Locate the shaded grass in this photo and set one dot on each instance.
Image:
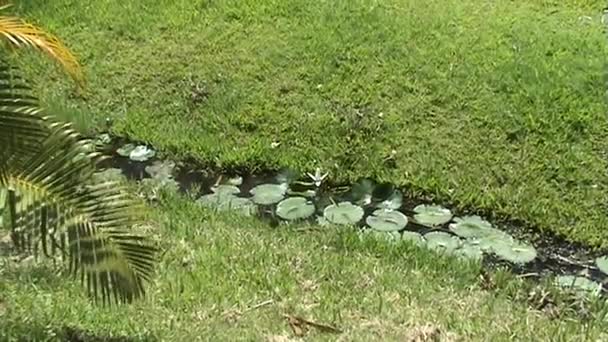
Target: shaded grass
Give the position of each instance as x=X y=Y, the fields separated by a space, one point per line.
x=493 y=105
x=216 y=267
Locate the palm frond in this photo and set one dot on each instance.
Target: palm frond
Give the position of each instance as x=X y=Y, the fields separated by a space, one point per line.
x=48 y=170
x=18 y=33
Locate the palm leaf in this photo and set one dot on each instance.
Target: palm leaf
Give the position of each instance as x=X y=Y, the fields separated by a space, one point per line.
x=18 y=33
x=52 y=194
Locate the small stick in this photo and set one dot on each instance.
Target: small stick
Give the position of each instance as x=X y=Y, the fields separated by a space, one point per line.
x=259 y=305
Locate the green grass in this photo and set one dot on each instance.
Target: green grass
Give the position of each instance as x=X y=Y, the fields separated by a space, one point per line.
x=497 y=106
x=217 y=267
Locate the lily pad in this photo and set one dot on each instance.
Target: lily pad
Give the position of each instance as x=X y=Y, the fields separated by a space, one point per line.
x=110 y=174
x=469 y=251
x=394 y=201
x=472 y=227
x=391 y=236
x=102 y=140
x=226 y=189
x=361 y=192
x=154 y=184
x=266 y=194
x=386 y=220
x=579 y=284
x=514 y=251
x=322 y=221
x=343 y=213
x=141 y=153
x=126 y=150
x=161 y=169
x=223 y=201
x=295 y=208
x=414 y=237
x=237 y=181
x=442 y=241
x=432 y=215
x=601 y=263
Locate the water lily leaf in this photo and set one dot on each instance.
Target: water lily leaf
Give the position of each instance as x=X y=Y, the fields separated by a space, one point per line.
x=159 y=183
x=236 y=181
x=161 y=169
x=266 y=194
x=286 y=176
x=295 y=208
x=103 y=139
x=414 y=237
x=126 y=150
x=343 y=213
x=223 y=201
x=475 y=227
x=322 y=221
x=226 y=189
x=110 y=174
x=394 y=201
x=362 y=191
x=579 y=284
x=391 y=236
x=442 y=241
x=432 y=215
x=469 y=251
x=514 y=251
x=240 y=205
x=141 y=153
x=386 y=220
x=214 y=199
x=601 y=262
x=311 y=193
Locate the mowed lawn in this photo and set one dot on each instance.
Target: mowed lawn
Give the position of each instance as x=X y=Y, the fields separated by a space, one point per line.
x=228 y=278
x=492 y=105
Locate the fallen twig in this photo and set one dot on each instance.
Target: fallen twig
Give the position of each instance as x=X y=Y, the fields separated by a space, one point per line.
x=298 y=325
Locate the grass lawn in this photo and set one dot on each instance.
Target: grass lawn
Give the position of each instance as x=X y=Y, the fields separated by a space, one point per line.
x=497 y=106
x=219 y=267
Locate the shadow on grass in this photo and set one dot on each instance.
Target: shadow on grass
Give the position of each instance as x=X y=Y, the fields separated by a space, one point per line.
x=29 y=332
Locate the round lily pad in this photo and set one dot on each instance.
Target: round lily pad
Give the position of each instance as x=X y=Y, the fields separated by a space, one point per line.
x=126 y=150
x=110 y=174
x=442 y=241
x=602 y=264
x=514 y=251
x=215 y=199
x=237 y=181
x=266 y=194
x=361 y=191
x=226 y=189
x=414 y=237
x=223 y=201
x=472 y=227
x=394 y=201
x=161 y=169
x=343 y=213
x=295 y=208
x=432 y=215
x=579 y=284
x=386 y=220
x=391 y=236
x=469 y=251
x=141 y=153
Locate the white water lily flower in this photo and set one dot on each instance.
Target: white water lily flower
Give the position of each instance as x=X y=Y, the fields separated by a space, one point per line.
x=317 y=178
